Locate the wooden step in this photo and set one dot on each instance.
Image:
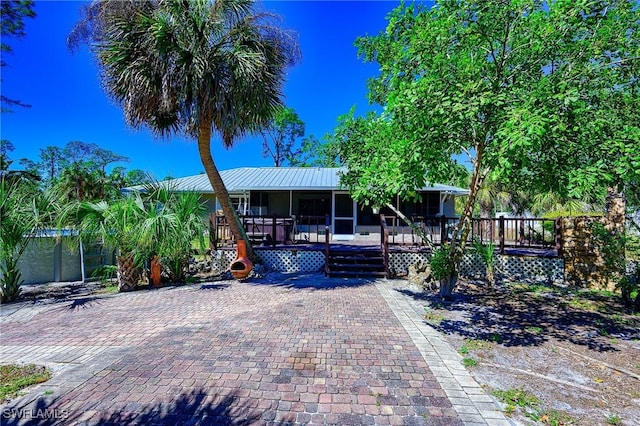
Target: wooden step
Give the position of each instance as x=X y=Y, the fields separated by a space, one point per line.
x=356 y=264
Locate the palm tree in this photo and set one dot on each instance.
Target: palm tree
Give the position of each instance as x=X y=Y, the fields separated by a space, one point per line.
x=191 y=67
x=141 y=225
x=117 y=226
x=173 y=222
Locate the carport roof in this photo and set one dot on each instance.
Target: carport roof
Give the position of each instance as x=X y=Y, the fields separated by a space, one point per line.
x=279 y=179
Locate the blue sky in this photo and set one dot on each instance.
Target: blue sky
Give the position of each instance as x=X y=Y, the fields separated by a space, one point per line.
x=69 y=104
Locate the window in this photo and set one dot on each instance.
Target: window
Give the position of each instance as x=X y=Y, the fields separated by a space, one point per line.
x=259 y=203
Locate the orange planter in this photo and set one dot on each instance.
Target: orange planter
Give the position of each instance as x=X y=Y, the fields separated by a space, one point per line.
x=241 y=267
x=156 y=272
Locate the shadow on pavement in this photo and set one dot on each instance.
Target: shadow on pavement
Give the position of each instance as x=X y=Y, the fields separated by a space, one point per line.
x=317 y=281
x=193 y=408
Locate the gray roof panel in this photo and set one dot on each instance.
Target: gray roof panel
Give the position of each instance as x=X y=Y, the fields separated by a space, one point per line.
x=279 y=178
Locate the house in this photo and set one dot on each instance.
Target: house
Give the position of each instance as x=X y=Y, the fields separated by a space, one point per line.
x=312 y=195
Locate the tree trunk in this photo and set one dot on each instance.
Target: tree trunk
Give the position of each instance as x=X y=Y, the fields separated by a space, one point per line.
x=221 y=193
x=447 y=284
x=128 y=274
x=486 y=208
x=463 y=227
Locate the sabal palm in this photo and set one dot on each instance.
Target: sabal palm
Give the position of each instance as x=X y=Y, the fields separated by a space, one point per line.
x=173 y=221
x=117 y=226
x=159 y=223
x=191 y=67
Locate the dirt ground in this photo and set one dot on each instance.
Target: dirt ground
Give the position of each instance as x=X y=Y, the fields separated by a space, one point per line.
x=576 y=354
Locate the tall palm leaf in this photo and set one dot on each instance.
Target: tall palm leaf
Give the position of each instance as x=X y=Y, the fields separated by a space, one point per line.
x=173 y=222
x=191 y=67
x=24 y=211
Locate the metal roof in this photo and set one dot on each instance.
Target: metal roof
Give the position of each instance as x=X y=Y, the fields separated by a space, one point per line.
x=278 y=179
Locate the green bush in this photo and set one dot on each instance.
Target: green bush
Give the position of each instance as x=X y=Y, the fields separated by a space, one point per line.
x=612 y=246
x=486 y=251
x=440 y=263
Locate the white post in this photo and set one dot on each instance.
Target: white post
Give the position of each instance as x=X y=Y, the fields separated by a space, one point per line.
x=290 y=202
x=82 y=262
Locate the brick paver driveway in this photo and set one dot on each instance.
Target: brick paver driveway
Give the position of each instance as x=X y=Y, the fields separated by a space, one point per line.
x=304 y=350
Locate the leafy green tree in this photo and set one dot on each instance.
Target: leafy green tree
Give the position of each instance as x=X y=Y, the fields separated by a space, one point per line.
x=13 y=14
x=5 y=147
x=136 y=177
x=82 y=171
x=51 y=162
x=30 y=166
x=316 y=153
x=280 y=135
x=542 y=95
x=191 y=68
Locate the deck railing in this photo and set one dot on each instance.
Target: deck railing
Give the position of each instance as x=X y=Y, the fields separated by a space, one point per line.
x=384 y=243
x=269 y=229
x=525 y=233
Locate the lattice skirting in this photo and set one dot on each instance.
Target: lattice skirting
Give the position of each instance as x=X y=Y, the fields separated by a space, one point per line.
x=221 y=259
x=514 y=267
x=275 y=260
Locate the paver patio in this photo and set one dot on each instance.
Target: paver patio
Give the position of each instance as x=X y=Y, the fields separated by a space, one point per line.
x=291 y=350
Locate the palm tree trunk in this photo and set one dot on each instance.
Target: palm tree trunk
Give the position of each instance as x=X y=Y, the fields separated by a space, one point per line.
x=128 y=274
x=204 y=148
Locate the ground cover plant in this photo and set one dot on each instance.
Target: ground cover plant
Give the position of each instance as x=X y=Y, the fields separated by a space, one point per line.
x=14 y=378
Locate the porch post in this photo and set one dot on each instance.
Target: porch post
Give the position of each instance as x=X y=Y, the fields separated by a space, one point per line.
x=290 y=202
x=501 y=233
x=443 y=230
x=274 y=234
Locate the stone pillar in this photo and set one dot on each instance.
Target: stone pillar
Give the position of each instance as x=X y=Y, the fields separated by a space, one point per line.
x=584 y=264
x=615 y=206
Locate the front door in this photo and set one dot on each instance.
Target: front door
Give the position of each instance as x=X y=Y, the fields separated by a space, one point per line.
x=343 y=217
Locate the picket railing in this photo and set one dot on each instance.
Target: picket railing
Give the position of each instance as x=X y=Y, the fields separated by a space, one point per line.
x=504 y=233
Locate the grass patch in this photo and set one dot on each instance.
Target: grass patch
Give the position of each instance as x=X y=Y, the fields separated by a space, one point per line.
x=14 y=378
x=433 y=318
x=529 y=404
x=533 y=330
x=472 y=345
x=556 y=418
x=536 y=289
x=469 y=362
x=614 y=420
x=110 y=288
x=519 y=398
x=584 y=304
